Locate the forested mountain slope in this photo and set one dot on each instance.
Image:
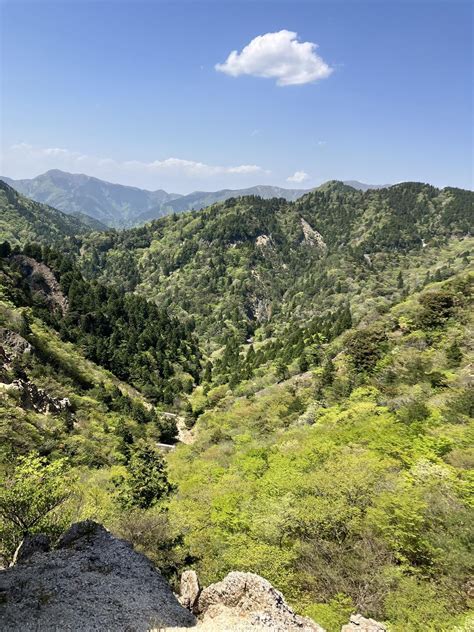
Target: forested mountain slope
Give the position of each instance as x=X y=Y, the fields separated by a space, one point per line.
x=23 y=220
x=112 y=204
x=347 y=486
x=136 y=340
x=268 y=268
x=53 y=397
x=120 y=206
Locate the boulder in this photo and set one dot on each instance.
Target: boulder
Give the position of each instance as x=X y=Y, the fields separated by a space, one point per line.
x=189 y=590
x=246 y=601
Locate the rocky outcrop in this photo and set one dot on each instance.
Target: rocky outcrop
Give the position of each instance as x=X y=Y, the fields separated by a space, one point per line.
x=260 y=308
x=358 y=623
x=37 y=399
x=30 y=396
x=41 y=279
x=245 y=602
x=91 y=582
x=249 y=601
x=312 y=237
x=12 y=344
x=263 y=240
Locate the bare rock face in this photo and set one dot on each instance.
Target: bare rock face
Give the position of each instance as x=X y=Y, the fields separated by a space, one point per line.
x=41 y=279
x=92 y=582
x=246 y=601
x=13 y=345
x=358 y=623
x=312 y=237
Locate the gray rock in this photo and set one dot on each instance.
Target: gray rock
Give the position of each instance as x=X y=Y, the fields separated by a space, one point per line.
x=190 y=590
x=41 y=280
x=13 y=344
x=29 y=546
x=34 y=398
x=93 y=582
x=358 y=623
x=252 y=601
x=312 y=237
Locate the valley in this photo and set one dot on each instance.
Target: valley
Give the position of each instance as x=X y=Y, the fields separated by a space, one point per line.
x=316 y=354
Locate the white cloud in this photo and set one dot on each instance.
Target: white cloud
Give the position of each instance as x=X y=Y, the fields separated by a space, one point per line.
x=298 y=176
x=67 y=159
x=277 y=56
x=190 y=167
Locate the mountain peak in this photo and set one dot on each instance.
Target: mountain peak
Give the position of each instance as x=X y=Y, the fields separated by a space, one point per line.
x=335 y=185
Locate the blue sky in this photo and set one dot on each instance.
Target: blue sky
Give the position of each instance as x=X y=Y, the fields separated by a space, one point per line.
x=129 y=92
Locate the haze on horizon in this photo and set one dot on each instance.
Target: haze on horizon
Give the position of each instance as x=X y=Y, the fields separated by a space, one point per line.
x=176 y=96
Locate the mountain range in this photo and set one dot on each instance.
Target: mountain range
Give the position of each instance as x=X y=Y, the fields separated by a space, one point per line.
x=118 y=206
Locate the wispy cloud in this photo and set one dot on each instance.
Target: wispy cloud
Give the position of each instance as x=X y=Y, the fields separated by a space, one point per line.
x=278 y=56
x=68 y=159
x=298 y=176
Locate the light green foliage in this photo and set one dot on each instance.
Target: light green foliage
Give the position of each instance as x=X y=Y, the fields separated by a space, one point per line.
x=32 y=497
x=369 y=499
x=332 y=615
x=418 y=606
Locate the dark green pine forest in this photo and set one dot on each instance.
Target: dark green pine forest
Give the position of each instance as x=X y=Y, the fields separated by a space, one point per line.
x=263 y=385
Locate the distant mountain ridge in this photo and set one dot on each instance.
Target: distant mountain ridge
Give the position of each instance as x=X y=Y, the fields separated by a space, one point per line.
x=200 y=199
x=119 y=206
x=115 y=205
x=23 y=219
